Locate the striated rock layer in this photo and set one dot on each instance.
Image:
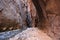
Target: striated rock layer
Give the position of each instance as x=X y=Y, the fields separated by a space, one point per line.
x=14 y=14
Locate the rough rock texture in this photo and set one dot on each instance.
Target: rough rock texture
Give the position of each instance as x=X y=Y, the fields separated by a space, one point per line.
x=14 y=14
x=9 y=15
x=32 y=11
x=53 y=16
x=49 y=16
x=19 y=13
x=31 y=34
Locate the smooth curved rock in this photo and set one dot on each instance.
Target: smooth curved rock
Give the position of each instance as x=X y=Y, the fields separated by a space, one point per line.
x=8 y=34
x=31 y=34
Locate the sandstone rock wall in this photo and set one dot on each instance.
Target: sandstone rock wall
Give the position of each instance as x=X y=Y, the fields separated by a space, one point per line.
x=51 y=17
x=43 y=14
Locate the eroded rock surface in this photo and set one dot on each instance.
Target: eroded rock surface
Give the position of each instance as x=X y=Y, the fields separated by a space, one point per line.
x=14 y=14
x=31 y=34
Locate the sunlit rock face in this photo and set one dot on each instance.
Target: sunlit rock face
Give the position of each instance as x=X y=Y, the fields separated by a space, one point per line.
x=32 y=10
x=31 y=34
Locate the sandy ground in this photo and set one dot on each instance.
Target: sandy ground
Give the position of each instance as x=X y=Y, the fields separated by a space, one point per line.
x=31 y=34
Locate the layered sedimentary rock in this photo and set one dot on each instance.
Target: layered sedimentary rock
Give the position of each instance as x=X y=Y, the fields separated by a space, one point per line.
x=14 y=14
x=9 y=15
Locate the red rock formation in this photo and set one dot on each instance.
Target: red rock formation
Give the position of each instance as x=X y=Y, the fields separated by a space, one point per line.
x=51 y=16
x=43 y=13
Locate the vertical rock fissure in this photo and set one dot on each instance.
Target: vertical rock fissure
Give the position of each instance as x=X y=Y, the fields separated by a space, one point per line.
x=39 y=13
x=25 y=15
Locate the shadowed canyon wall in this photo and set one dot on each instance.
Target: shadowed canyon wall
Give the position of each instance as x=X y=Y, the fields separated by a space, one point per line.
x=50 y=15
